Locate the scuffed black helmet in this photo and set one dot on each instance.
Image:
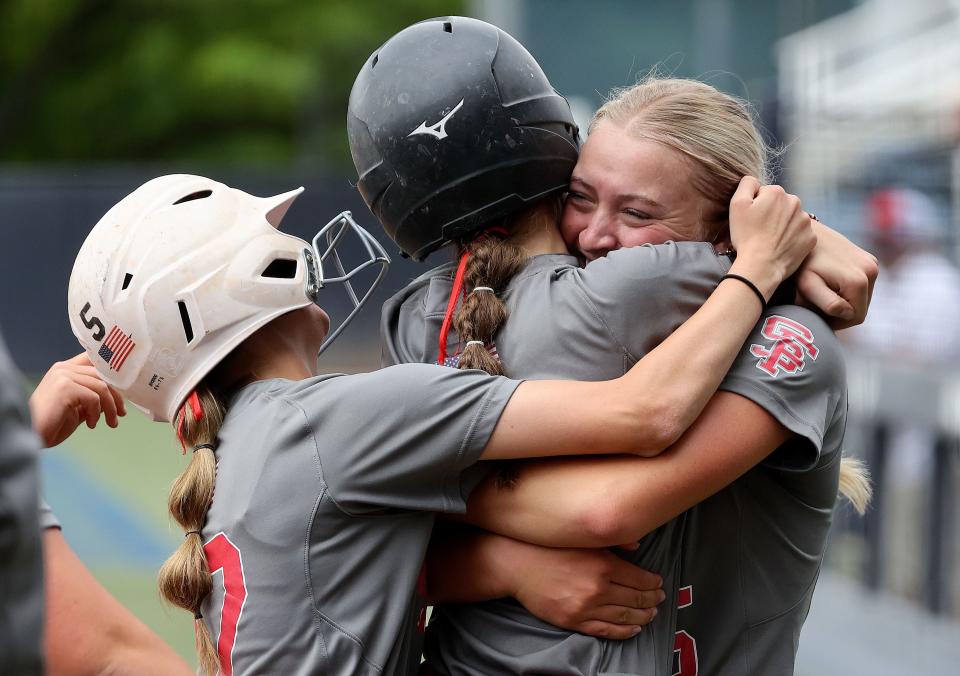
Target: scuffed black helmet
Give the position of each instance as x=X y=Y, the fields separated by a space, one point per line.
x=452 y=126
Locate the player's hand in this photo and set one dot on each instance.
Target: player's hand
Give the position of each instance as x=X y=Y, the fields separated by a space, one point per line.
x=590 y=591
x=770 y=231
x=70 y=393
x=837 y=278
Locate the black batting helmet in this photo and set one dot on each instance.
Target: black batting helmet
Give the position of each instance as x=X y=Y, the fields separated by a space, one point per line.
x=453 y=125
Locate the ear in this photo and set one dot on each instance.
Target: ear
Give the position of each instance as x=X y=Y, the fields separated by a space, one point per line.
x=275 y=208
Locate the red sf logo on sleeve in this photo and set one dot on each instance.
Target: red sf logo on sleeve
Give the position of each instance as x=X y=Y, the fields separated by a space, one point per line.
x=793 y=343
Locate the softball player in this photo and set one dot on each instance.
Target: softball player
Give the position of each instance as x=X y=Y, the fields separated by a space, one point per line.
x=308 y=500
x=565 y=322
x=22 y=567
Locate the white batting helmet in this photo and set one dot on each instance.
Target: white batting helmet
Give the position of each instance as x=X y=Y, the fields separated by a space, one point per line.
x=181 y=271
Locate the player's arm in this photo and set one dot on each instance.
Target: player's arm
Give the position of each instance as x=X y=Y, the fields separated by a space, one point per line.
x=70 y=393
x=591 y=591
x=87 y=631
x=837 y=278
x=647 y=409
x=596 y=502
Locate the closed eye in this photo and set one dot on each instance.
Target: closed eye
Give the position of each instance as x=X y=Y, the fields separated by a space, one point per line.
x=577 y=197
x=641 y=215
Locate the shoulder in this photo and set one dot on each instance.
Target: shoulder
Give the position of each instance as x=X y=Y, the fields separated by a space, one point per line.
x=790 y=341
x=659 y=260
x=407 y=318
x=415 y=291
x=396 y=386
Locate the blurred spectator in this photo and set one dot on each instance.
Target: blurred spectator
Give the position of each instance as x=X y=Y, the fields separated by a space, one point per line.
x=911 y=316
x=913 y=319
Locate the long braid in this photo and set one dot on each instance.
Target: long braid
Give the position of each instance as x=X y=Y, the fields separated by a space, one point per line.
x=493 y=262
x=185 y=578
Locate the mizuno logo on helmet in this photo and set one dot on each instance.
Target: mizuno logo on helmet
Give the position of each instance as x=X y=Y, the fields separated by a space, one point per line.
x=438 y=129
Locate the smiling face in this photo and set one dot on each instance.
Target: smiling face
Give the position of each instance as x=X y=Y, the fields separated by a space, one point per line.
x=628 y=191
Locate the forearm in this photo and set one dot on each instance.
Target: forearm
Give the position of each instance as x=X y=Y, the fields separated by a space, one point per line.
x=642 y=412
x=584 y=502
x=87 y=631
x=680 y=375
x=466 y=565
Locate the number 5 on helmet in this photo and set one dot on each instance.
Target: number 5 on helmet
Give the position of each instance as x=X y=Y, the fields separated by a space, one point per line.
x=142 y=260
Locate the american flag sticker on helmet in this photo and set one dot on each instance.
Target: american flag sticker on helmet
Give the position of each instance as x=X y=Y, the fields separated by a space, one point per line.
x=116 y=348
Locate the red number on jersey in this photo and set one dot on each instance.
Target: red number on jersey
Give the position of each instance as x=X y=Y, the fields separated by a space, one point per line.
x=685 y=645
x=224 y=555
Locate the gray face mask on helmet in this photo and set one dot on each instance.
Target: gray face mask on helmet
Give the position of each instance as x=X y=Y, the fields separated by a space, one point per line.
x=330 y=237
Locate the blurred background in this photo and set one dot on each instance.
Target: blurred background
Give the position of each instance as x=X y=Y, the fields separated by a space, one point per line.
x=97 y=96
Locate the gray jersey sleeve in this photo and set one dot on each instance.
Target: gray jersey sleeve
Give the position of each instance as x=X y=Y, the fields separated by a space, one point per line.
x=422 y=427
x=21 y=565
x=792 y=366
x=643 y=294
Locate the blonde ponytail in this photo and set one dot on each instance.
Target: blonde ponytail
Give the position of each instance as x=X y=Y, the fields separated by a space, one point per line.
x=855 y=483
x=184 y=578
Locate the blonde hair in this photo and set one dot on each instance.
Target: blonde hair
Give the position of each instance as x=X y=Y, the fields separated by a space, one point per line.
x=715 y=132
x=184 y=579
x=855 y=483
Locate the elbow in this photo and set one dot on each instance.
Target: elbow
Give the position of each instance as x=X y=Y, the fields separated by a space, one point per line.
x=608 y=522
x=655 y=432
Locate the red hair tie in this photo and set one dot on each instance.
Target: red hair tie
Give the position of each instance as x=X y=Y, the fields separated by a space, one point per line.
x=194 y=402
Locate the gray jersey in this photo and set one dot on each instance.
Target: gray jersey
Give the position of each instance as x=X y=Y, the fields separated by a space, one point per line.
x=595 y=323
x=752 y=552
x=322 y=513
x=565 y=322
x=21 y=565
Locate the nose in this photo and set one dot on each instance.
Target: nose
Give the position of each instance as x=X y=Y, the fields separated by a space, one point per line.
x=598 y=238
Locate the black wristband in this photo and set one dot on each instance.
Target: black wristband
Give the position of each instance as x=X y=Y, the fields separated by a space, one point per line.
x=753 y=287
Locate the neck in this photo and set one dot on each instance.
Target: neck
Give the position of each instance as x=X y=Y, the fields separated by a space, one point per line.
x=540 y=240
x=268 y=354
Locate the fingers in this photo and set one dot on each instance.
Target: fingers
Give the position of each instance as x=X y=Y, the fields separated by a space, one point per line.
x=616 y=622
x=817 y=293
x=630 y=576
x=118 y=401
x=746 y=191
x=86 y=402
x=107 y=402
x=80 y=359
x=608 y=630
x=626 y=597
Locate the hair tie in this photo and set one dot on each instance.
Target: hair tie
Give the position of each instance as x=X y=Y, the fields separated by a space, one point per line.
x=199 y=446
x=190 y=532
x=753 y=287
x=198 y=615
x=193 y=401
x=474 y=342
x=482 y=288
